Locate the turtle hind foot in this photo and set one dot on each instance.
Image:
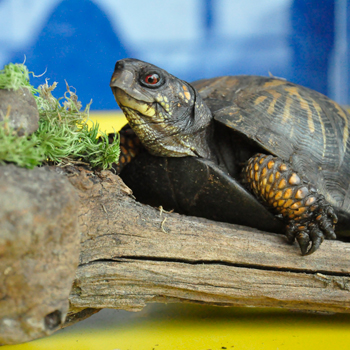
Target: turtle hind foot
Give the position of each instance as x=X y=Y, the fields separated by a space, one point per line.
x=309 y=217
x=311 y=234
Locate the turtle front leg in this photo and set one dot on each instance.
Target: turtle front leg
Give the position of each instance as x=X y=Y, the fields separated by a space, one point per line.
x=308 y=216
x=130 y=147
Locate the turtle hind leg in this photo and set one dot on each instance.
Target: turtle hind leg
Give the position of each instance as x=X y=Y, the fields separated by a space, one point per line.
x=309 y=218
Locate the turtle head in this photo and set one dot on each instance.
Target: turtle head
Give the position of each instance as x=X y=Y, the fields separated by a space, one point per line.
x=167 y=114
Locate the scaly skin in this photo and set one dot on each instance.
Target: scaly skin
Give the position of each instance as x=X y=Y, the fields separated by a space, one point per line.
x=308 y=216
x=130 y=147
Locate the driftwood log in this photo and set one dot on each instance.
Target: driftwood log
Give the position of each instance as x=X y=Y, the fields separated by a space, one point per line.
x=132 y=254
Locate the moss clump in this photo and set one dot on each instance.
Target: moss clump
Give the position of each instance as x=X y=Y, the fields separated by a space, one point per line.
x=23 y=150
x=15 y=76
x=63 y=134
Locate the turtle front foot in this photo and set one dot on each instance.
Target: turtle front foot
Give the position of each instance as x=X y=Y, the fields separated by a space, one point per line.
x=309 y=217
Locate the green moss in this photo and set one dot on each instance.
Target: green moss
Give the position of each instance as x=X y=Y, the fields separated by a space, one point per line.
x=63 y=134
x=15 y=76
x=21 y=150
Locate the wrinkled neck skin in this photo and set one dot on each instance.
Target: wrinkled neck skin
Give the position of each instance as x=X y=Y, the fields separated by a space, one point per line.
x=168 y=133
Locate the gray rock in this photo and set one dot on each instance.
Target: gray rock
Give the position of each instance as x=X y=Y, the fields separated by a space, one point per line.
x=39 y=251
x=24 y=115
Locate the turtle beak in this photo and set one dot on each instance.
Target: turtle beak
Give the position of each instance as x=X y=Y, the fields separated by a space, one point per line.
x=122 y=78
x=125 y=78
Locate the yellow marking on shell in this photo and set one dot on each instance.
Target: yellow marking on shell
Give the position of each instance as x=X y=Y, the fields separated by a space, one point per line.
x=259 y=100
x=261 y=160
x=256 y=176
x=256 y=166
x=165 y=99
x=271 y=178
x=264 y=171
x=286 y=111
x=181 y=95
x=184 y=87
x=294 y=179
x=275 y=204
x=288 y=203
x=346 y=126
x=318 y=111
x=301 y=193
x=276 y=95
x=167 y=106
x=187 y=95
x=277 y=175
x=288 y=193
x=274 y=82
x=304 y=105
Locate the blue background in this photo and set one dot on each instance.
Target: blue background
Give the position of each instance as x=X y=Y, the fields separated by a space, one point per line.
x=304 y=41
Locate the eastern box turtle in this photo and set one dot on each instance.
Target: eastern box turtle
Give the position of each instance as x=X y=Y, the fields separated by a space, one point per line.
x=209 y=141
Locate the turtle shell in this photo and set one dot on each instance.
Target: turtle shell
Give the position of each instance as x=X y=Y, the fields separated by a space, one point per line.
x=297 y=124
x=294 y=123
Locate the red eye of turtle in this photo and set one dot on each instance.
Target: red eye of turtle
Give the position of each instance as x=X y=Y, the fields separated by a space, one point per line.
x=152 y=79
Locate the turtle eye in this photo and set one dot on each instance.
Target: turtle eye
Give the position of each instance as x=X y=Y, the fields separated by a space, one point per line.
x=151 y=80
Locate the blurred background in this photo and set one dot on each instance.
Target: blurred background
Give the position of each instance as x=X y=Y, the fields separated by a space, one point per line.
x=304 y=41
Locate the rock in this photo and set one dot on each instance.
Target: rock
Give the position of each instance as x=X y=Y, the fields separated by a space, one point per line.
x=24 y=115
x=39 y=251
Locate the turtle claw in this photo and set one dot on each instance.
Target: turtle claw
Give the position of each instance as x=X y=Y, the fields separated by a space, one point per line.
x=314 y=232
x=316 y=238
x=303 y=240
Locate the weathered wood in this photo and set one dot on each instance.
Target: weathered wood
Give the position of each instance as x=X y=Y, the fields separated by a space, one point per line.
x=39 y=250
x=132 y=254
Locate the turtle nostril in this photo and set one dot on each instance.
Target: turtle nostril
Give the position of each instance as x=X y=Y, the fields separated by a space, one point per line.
x=53 y=320
x=119 y=65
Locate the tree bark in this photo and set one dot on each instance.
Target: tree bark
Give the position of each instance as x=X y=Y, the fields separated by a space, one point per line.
x=133 y=254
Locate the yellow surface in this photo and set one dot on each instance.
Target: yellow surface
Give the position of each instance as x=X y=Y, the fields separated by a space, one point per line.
x=110 y=121
x=193 y=327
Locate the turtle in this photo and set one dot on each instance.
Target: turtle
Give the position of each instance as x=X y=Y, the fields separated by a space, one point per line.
x=281 y=150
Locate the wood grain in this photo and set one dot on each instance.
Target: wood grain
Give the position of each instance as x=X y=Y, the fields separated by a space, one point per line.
x=132 y=254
